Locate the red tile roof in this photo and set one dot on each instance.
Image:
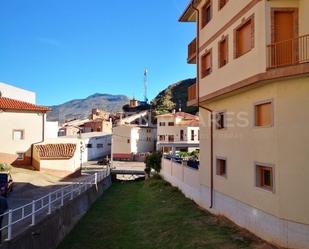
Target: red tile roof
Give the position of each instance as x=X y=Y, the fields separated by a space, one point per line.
x=183 y=115
x=13 y=104
x=56 y=151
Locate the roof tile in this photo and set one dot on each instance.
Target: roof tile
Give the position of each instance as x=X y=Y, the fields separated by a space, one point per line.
x=13 y=104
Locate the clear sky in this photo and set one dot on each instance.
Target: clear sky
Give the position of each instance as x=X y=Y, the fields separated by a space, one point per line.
x=68 y=49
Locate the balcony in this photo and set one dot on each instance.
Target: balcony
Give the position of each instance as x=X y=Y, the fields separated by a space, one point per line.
x=289 y=52
x=192 y=97
x=192 y=52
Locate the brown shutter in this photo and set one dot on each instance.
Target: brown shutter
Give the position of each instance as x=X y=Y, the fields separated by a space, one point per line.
x=264 y=114
x=223 y=52
x=244 y=38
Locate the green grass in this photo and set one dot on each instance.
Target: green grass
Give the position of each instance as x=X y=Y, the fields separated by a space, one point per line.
x=153 y=214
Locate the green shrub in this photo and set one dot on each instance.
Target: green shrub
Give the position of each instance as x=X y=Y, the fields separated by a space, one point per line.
x=153 y=161
x=5 y=167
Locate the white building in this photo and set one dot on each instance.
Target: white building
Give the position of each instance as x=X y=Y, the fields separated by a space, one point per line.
x=132 y=142
x=178 y=130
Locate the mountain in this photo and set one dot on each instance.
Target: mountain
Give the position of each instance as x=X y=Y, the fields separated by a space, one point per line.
x=174 y=97
x=81 y=108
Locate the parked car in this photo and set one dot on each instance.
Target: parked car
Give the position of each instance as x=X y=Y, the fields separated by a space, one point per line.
x=6 y=183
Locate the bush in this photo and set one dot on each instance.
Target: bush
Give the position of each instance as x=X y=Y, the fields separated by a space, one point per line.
x=5 y=167
x=153 y=161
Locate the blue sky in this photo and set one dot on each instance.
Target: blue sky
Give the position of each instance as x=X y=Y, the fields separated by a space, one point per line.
x=67 y=49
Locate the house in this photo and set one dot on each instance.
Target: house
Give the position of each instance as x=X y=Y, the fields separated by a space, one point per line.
x=252 y=91
x=98 y=125
x=66 y=155
x=22 y=124
x=131 y=142
x=179 y=131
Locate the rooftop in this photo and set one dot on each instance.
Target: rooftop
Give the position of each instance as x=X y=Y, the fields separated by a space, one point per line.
x=16 y=105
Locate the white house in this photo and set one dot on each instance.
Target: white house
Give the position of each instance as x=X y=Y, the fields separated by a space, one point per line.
x=132 y=141
x=177 y=130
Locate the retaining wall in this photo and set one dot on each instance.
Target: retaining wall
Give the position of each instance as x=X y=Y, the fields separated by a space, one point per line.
x=50 y=231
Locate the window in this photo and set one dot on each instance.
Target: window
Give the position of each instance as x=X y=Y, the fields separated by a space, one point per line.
x=220 y=121
x=18 y=135
x=264 y=114
x=162 y=123
x=161 y=137
x=20 y=156
x=223 y=52
x=148 y=131
x=222 y=3
x=99 y=146
x=192 y=135
x=245 y=38
x=128 y=141
x=171 y=124
x=221 y=167
x=206 y=14
x=206 y=64
x=88 y=146
x=264 y=177
x=198 y=135
x=181 y=135
x=171 y=138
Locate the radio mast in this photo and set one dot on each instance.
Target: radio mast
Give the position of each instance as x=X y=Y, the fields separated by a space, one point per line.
x=145 y=85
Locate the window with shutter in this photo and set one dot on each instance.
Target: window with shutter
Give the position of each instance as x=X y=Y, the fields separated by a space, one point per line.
x=245 y=38
x=223 y=52
x=264 y=114
x=206 y=64
x=206 y=14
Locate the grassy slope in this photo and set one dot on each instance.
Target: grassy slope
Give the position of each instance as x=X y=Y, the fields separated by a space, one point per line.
x=153 y=214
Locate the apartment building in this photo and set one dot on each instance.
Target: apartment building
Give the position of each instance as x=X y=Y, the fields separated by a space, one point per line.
x=252 y=59
x=178 y=130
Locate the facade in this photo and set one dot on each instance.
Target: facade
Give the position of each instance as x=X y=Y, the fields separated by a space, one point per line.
x=98 y=125
x=252 y=85
x=22 y=124
x=178 y=128
x=130 y=141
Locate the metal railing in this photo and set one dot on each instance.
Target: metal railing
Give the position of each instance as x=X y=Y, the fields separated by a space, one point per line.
x=192 y=92
x=16 y=220
x=192 y=51
x=288 y=52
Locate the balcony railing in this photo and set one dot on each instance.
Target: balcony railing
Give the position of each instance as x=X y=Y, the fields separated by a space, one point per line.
x=192 y=52
x=192 y=92
x=289 y=52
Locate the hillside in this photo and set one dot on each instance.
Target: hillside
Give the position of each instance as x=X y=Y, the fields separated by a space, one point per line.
x=174 y=97
x=81 y=108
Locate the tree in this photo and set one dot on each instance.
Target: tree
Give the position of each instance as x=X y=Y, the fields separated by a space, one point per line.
x=153 y=161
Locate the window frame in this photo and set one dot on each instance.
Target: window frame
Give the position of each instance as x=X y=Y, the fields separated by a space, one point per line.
x=262 y=102
x=182 y=135
x=204 y=21
x=22 y=134
x=220 y=6
x=205 y=73
x=218 y=171
x=162 y=124
x=161 y=137
x=264 y=166
x=192 y=135
x=226 y=39
x=171 y=123
x=171 y=140
x=244 y=22
x=224 y=120
x=23 y=156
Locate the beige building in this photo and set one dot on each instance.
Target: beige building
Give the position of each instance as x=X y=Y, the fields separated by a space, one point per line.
x=22 y=124
x=252 y=64
x=132 y=141
x=179 y=130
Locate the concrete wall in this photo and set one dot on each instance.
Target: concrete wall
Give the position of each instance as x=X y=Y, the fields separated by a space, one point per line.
x=276 y=230
x=51 y=129
x=13 y=92
x=96 y=151
x=50 y=231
